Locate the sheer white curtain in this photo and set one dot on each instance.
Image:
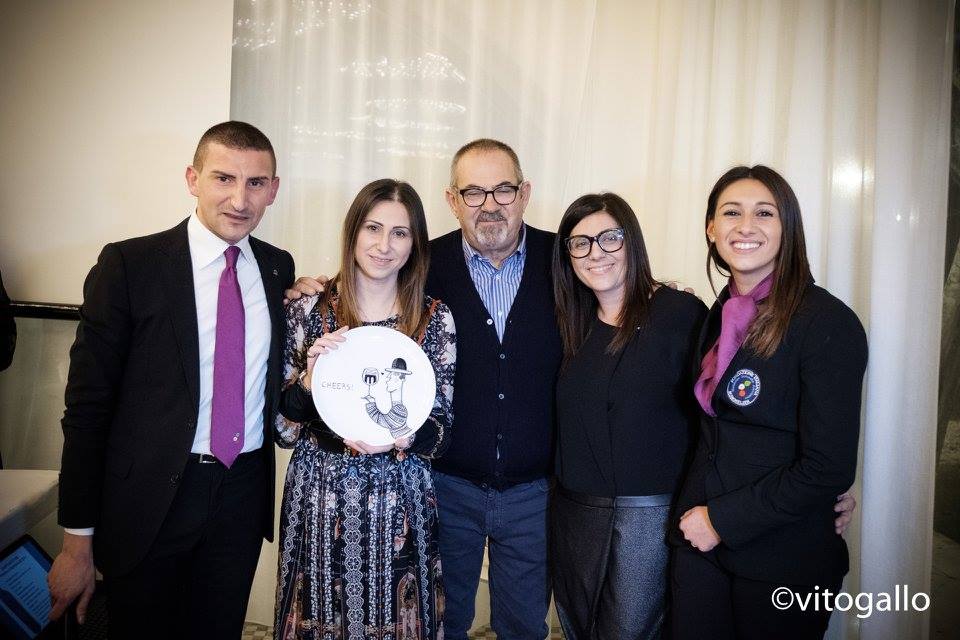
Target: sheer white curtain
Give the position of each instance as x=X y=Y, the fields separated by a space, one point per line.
x=653 y=99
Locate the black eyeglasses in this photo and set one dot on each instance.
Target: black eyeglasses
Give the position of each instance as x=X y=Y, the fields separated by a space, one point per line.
x=609 y=241
x=503 y=195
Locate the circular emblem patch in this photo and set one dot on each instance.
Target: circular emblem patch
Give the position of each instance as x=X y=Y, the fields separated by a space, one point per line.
x=744 y=388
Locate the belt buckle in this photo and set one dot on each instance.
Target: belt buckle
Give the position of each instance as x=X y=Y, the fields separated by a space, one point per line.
x=208 y=458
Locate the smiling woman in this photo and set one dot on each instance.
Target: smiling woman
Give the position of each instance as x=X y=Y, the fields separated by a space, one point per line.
x=746 y=230
x=779 y=387
x=384 y=242
x=624 y=418
x=358 y=527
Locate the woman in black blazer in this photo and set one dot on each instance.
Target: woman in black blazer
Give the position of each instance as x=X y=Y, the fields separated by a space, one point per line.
x=625 y=416
x=781 y=365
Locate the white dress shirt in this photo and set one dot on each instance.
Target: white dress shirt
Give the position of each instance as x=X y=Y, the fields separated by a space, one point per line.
x=206 y=255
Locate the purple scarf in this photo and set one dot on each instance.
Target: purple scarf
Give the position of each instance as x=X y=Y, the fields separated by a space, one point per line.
x=735 y=319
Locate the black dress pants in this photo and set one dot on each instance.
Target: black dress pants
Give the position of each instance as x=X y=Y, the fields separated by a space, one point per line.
x=710 y=602
x=195 y=580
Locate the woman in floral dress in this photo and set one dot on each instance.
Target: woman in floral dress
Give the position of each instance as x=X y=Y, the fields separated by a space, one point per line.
x=358 y=525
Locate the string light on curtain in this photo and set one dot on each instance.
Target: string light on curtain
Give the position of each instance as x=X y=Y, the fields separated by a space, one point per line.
x=252 y=34
x=427 y=66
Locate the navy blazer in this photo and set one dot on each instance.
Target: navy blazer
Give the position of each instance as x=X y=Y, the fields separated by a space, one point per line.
x=783 y=446
x=133 y=391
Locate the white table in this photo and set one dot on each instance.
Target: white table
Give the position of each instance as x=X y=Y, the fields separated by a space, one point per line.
x=27 y=496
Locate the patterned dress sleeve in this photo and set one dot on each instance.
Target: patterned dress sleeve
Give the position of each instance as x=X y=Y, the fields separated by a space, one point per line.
x=440 y=345
x=286 y=432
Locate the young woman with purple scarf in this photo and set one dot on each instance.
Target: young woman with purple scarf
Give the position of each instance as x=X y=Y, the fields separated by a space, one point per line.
x=781 y=369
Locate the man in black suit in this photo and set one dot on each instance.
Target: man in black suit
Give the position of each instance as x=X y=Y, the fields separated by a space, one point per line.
x=167 y=478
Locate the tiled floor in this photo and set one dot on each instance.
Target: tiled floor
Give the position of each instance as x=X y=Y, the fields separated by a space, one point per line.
x=254 y=631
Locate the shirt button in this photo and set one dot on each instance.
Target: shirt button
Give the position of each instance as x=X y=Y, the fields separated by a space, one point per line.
x=500 y=395
x=503 y=356
x=499 y=436
x=489 y=320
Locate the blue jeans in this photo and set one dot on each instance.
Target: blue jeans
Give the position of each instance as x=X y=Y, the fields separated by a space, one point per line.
x=515 y=522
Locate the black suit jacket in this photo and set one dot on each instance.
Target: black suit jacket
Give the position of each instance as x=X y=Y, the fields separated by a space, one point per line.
x=770 y=466
x=132 y=393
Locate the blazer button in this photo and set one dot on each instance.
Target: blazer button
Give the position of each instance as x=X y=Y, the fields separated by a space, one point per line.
x=190 y=424
x=711 y=456
x=175 y=479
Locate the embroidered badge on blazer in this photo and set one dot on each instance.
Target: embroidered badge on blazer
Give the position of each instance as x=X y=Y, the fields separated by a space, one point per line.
x=744 y=388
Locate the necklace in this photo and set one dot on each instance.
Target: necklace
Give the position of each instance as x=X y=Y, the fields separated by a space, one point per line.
x=379 y=315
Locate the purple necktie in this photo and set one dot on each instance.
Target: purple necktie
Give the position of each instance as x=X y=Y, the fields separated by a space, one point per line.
x=227 y=417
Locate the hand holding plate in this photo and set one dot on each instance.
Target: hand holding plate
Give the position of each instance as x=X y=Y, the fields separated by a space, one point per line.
x=324 y=344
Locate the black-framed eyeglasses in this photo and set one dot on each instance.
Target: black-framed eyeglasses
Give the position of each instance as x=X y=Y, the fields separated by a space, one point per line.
x=609 y=241
x=503 y=195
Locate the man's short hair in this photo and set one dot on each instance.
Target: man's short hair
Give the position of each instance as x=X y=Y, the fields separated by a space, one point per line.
x=484 y=144
x=234 y=135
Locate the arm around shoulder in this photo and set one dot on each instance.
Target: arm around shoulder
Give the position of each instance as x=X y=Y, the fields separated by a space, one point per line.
x=296 y=404
x=440 y=343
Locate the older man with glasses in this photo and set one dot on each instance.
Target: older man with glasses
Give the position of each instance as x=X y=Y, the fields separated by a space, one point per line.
x=492 y=484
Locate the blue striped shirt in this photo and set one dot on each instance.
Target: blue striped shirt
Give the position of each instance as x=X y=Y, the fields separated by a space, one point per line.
x=497 y=287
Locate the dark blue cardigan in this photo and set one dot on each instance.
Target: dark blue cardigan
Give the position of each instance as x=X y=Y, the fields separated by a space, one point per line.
x=503 y=393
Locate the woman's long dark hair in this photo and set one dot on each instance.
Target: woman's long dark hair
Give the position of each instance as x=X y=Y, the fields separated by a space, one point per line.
x=576 y=303
x=791 y=269
x=412 y=276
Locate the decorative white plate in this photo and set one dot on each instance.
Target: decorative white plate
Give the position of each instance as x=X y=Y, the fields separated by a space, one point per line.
x=376 y=387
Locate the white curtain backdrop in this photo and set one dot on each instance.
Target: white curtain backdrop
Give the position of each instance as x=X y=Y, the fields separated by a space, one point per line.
x=654 y=100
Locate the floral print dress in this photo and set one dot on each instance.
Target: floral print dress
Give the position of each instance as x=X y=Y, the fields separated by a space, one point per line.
x=358 y=533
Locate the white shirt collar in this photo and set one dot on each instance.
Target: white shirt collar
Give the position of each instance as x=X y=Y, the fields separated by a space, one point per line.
x=206 y=246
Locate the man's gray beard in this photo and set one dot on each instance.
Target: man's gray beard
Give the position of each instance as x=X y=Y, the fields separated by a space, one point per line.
x=492 y=237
